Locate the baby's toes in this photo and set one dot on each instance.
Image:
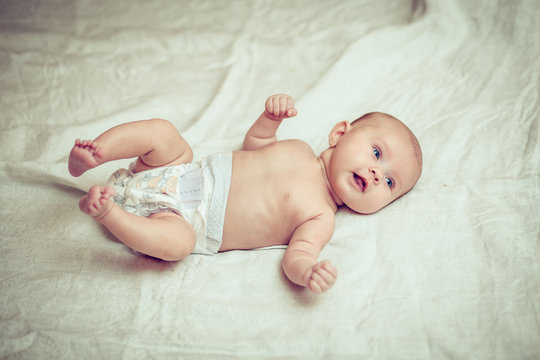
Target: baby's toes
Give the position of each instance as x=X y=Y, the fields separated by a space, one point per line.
x=108 y=191
x=87 y=144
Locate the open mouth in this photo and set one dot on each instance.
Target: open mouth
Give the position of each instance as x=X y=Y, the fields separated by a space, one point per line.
x=360 y=182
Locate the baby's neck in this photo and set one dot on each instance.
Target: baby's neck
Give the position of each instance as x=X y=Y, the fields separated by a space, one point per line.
x=324 y=160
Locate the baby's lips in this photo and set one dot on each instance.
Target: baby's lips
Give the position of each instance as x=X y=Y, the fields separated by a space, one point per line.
x=360 y=181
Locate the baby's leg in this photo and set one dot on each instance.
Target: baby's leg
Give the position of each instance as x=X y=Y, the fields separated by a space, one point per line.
x=155 y=142
x=163 y=235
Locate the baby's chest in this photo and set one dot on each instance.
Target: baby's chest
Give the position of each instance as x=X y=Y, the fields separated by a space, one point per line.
x=298 y=199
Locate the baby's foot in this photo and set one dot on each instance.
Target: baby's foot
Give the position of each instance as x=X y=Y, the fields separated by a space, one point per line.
x=97 y=202
x=85 y=155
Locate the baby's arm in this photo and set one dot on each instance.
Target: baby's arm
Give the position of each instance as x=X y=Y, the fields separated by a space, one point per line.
x=263 y=131
x=300 y=260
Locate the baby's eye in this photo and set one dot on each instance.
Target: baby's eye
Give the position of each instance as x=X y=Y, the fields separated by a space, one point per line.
x=389 y=182
x=377 y=153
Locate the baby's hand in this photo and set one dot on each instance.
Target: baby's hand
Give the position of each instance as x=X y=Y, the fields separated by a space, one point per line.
x=322 y=277
x=280 y=106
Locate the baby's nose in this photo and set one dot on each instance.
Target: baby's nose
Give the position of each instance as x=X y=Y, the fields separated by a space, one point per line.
x=376 y=174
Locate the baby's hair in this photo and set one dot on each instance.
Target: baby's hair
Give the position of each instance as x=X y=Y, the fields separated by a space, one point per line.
x=414 y=141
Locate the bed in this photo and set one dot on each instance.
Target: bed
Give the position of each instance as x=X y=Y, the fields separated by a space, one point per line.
x=450 y=271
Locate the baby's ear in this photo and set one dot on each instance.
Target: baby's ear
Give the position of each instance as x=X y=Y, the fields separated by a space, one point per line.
x=340 y=129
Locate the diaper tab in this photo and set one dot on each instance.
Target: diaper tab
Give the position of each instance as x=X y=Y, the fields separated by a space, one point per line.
x=219 y=166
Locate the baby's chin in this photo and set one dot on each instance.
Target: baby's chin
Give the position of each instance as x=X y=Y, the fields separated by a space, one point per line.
x=367 y=210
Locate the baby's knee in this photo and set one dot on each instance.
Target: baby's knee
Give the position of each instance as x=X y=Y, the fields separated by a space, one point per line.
x=169 y=140
x=162 y=125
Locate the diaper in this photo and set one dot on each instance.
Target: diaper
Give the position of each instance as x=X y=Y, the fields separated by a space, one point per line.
x=196 y=191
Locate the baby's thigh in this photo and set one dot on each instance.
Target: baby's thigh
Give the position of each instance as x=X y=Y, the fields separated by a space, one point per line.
x=168 y=147
x=176 y=234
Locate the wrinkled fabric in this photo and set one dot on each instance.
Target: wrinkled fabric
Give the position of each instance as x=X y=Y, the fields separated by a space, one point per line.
x=449 y=271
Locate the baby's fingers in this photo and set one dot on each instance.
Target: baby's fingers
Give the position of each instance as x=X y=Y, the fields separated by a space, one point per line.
x=317 y=284
x=292 y=112
x=328 y=267
x=280 y=106
x=287 y=105
x=323 y=277
x=314 y=286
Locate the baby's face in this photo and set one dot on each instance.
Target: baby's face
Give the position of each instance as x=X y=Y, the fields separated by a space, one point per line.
x=372 y=164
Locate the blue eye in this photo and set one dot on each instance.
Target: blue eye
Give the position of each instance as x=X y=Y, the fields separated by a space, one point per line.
x=377 y=152
x=389 y=182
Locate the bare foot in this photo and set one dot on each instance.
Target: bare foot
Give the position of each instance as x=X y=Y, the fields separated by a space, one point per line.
x=85 y=155
x=97 y=202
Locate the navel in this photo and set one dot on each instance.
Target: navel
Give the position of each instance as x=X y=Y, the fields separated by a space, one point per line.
x=287 y=196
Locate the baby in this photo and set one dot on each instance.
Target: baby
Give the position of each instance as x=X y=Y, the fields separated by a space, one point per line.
x=269 y=193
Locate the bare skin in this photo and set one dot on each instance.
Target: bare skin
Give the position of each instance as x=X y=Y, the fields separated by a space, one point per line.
x=96 y=203
x=86 y=155
x=290 y=193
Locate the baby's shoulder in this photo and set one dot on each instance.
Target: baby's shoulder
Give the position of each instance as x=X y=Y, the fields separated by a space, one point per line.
x=294 y=147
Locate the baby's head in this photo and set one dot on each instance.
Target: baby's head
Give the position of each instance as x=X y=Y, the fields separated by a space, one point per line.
x=372 y=161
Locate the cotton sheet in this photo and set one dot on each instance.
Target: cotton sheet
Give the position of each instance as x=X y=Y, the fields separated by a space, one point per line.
x=450 y=271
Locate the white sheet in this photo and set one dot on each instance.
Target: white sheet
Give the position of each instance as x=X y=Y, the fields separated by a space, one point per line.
x=451 y=271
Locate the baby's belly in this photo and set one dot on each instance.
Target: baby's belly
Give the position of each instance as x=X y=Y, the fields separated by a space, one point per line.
x=253 y=229
x=266 y=201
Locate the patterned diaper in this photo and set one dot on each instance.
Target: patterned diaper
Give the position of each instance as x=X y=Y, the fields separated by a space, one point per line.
x=197 y=191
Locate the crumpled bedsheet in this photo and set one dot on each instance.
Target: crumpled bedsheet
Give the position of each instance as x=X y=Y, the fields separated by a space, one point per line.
x=450 y=271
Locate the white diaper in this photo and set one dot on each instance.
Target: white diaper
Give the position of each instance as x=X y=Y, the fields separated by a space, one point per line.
x=197 y=191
